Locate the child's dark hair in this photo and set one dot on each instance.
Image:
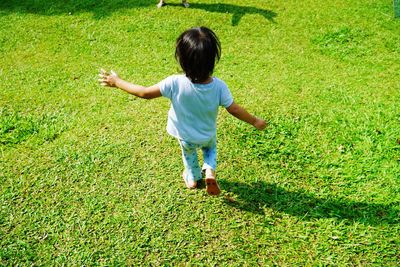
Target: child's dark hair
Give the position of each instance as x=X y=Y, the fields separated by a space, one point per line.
x=197 y=49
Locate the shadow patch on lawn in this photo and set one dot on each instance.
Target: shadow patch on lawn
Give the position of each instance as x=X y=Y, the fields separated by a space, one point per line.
x=256 y=196
x=237 y=11
x=104 y=8
x=16 y=128
x=100 y=8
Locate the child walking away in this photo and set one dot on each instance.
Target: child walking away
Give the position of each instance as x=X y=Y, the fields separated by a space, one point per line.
x=195 y=98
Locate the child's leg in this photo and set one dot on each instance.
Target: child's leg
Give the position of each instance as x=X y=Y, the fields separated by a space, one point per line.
x=210 y=164
x=191 y=163
x=210 y=158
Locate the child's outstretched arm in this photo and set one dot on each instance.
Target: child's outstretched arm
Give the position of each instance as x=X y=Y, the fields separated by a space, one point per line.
x=113 y=80
x=243 y=115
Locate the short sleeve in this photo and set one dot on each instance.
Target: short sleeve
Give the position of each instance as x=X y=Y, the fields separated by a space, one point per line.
x=166 y=86
x=226 y=98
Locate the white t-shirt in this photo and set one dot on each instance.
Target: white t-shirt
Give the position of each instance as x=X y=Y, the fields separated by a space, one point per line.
x=194 y=107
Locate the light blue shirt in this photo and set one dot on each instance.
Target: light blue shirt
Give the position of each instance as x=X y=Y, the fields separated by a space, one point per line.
x=194 y=107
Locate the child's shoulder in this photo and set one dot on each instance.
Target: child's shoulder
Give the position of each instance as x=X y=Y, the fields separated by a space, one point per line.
x=177 y=76
x=219 y=82
x=173 y=79
x=217 y=79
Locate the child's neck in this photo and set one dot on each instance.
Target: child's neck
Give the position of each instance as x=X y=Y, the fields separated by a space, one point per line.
x=209 y=79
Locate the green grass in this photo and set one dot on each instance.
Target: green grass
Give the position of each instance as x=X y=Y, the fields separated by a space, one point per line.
x=89 y=176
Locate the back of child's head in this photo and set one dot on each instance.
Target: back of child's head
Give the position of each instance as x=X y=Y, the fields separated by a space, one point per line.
x=197 y=49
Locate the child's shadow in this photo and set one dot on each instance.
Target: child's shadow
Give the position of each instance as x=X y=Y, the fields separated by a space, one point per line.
x=237 y=11
x=256 y=196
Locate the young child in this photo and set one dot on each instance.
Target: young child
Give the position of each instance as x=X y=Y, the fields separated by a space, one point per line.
x=195 y=98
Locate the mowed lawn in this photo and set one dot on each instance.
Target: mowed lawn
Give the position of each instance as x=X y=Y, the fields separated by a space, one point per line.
x=89 y=176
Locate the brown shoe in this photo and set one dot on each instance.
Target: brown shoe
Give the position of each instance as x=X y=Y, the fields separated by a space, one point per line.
x=212 y=186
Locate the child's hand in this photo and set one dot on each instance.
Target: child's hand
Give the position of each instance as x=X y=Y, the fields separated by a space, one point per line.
x=107 y=79
x=260 y=124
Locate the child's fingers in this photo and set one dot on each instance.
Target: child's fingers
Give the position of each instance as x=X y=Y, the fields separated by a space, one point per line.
x=103 y=82
x=114 y=73
x=103 y=71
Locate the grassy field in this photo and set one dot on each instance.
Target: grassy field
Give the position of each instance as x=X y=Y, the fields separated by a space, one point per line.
x=89 y=176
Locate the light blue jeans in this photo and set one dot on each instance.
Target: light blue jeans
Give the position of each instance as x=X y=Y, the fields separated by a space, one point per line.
x=191 y=161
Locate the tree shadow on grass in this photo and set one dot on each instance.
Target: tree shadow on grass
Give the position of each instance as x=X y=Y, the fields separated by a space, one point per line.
x=99 y=8
x=104 y=8
x=256 y=196
x=237 y=11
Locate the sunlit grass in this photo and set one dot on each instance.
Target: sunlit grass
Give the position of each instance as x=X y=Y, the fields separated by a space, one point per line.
x=89 y=176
